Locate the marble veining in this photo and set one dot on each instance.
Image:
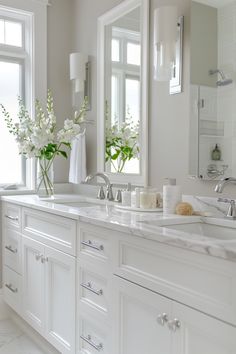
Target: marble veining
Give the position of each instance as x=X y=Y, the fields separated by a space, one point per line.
x=14 y=341
x=138 y=224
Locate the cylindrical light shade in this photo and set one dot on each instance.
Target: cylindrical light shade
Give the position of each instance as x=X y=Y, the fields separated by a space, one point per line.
x=165 y=34
x=78 y=70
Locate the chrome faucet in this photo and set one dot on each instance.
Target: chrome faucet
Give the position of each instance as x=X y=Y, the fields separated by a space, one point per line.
x=109 y=192
x=223 y=182
x=231 y=213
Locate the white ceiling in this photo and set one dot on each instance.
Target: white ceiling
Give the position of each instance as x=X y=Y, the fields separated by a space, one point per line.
x=216 y=3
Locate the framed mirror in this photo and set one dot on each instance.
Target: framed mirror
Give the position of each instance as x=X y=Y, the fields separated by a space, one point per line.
x=123 y=38
x=212 y=98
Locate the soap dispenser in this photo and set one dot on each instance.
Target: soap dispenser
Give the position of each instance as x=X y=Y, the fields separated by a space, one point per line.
x=171 y=196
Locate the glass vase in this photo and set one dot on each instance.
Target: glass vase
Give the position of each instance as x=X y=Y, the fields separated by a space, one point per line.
x=45 y=186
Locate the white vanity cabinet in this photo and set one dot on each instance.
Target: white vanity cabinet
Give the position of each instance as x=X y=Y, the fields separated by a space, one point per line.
x=135 y=323
x=33 y=284
x=146 y=322
x=39 y=272
x=88 y=289
x=49 y=293
x=11 y=249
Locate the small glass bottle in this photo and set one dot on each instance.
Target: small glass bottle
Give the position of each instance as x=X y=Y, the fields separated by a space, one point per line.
x=216 y=153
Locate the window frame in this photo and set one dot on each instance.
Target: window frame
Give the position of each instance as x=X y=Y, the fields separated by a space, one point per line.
x=21 y=62
x=33 y=15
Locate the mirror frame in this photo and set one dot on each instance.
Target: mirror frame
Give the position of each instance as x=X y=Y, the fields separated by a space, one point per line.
x=104 y=20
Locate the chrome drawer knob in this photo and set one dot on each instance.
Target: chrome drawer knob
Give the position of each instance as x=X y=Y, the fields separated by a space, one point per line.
x=162 y=319
x=174 y=325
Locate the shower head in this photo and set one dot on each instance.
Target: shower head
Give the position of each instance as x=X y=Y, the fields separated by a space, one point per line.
x=223 y=81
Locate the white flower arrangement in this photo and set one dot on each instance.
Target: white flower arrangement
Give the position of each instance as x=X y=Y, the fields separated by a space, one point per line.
x=122 y=143
x=39 y=137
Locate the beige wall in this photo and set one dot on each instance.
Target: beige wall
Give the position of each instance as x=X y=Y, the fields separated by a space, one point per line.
x=60 y=29
x=169 y=115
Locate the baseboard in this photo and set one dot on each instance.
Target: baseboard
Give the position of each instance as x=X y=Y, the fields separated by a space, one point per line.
x=37 y=338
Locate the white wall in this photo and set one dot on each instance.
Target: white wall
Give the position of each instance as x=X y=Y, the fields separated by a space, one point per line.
x=169 y=115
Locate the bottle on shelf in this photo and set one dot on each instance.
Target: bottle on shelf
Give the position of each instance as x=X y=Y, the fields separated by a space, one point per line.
x=216 y=153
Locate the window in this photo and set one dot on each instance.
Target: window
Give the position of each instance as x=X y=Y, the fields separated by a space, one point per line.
x=133 y=53
x=12 y=164
x=125 y=81
x=11 y=32
x=13 y=60
x=22 y=48
x=115 y=45
x=125 y=84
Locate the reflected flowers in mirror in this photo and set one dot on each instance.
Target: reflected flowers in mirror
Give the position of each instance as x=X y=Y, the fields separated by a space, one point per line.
x=122 y=143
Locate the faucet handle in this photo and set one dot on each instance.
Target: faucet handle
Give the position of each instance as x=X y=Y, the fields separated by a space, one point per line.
x=118 y=197
x=109 y=193
x=231 y=213
x=226 y=200
x=101 y=194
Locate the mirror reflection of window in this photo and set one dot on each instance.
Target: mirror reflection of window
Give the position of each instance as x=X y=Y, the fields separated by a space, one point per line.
x=133 y=53
x=122 y=84
x=115 y=46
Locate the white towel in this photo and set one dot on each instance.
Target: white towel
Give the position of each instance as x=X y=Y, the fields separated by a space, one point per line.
x=78 y=171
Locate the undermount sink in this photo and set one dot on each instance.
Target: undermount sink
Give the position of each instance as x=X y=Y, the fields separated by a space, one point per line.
x=204 y=228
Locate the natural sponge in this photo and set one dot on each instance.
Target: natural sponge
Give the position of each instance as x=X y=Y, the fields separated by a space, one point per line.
x=184 y=209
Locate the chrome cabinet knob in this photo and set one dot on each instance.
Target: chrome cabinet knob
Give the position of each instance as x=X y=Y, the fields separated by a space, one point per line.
x=38 y=257
x=162 y=319
x=174 y=325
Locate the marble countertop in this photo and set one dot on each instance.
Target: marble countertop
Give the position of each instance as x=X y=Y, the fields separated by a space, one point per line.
x=140 y=224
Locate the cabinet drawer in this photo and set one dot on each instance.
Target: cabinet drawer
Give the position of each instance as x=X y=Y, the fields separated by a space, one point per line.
x=92 y=287
x=200 y=281
x=11 y=215
x=93 y=242
x=52 y=230
x=92 y=337
x=12 y=249
x=12 y=292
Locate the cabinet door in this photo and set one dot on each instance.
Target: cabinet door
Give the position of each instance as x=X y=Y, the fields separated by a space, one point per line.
x=137 y=327
x=199 y=333
x=60 y=300
x=33 y=283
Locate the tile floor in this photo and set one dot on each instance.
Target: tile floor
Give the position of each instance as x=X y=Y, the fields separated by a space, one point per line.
x=14 y=341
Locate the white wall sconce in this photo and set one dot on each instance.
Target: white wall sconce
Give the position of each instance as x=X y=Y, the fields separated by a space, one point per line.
x=168 y=44
x=80 y=74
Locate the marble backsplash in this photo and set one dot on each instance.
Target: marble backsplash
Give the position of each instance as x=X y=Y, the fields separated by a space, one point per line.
x=208 y=205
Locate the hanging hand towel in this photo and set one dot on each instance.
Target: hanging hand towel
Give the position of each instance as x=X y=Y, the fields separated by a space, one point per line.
x=78 y=171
